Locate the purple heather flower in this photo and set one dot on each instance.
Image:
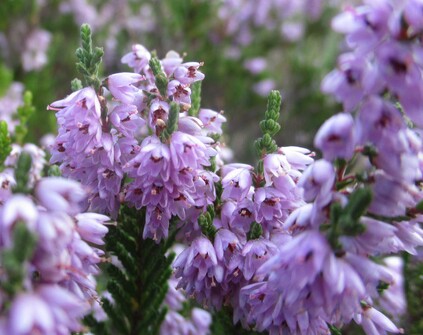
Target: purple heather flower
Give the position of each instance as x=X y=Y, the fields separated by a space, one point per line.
x=393 y=299
x=171 y=61
x=241 y=216
x=91 y=227
x=202 y=320
x=196 y=260
x=318 y=181
x=378 y=237
x=179 y=92
x=189 y=151
x=121 y=85
x=175 y=324
x=187 y=73
x=413 y=16
x=375 y=323
x=275 y=165
x=272 y=207
x=30 y=313
x=84 y=101
x=212 y=120
x=392 y=197
x=236 y=182
x=61 y=195
x=381 y=124
x=336 y=137
x=157 y=223
x=254 y=254
x=126 y=120
x=11 y=213
x=226 y=244
x=410 y=234
x=200 y=273
x=49 y=310
x=191 y=126
x=174 y=298
x=158 y=114
x=299 y=158
x=138 y=58
x=348 y=82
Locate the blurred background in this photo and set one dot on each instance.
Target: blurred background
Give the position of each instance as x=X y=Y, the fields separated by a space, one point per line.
x=248 y=47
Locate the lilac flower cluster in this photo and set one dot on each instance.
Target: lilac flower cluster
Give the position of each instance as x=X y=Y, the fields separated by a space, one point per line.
x=143 y=132
x=314 y=264
x=323 y=274
x=217 y=272
x=58 y=286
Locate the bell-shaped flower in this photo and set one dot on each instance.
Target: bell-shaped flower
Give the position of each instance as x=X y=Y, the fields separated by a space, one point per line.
x=121 y=85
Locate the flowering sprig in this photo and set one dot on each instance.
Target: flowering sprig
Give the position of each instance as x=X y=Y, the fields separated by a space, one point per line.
x=289 y=246
x=89 y=59
x=47 y=253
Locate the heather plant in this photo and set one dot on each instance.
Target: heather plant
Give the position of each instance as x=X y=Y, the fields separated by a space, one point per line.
x=297 y=243
x=39 y=38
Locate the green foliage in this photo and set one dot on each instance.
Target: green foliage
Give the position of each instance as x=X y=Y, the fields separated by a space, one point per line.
x=24 y=113
x=11 y=8
x=6 y=78
x=205 y=221
x=138 y=287
x=159 y=75
x=269 y=126
x=256 y=230
x=223 y=324
x=413 y=275
x=5 y=143
x=172 y=122
x=195 y=98
x=76 y=85
x=22 y=173
x=382 y=286
x=334 y=330
x=89 y=59
x=54 y=171
x=346 y=220
x=13 y=260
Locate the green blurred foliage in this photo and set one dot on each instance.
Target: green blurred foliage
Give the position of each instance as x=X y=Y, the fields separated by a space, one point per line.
x=191 y=28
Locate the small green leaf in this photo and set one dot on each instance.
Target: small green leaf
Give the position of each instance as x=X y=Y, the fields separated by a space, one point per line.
x=76 y=85
x=159 y=75
x=358 y=203
x=5 y=143
x=255 y=232
x=6 y=79
x=22 y=173
x=195 y=98
x=172 y=123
